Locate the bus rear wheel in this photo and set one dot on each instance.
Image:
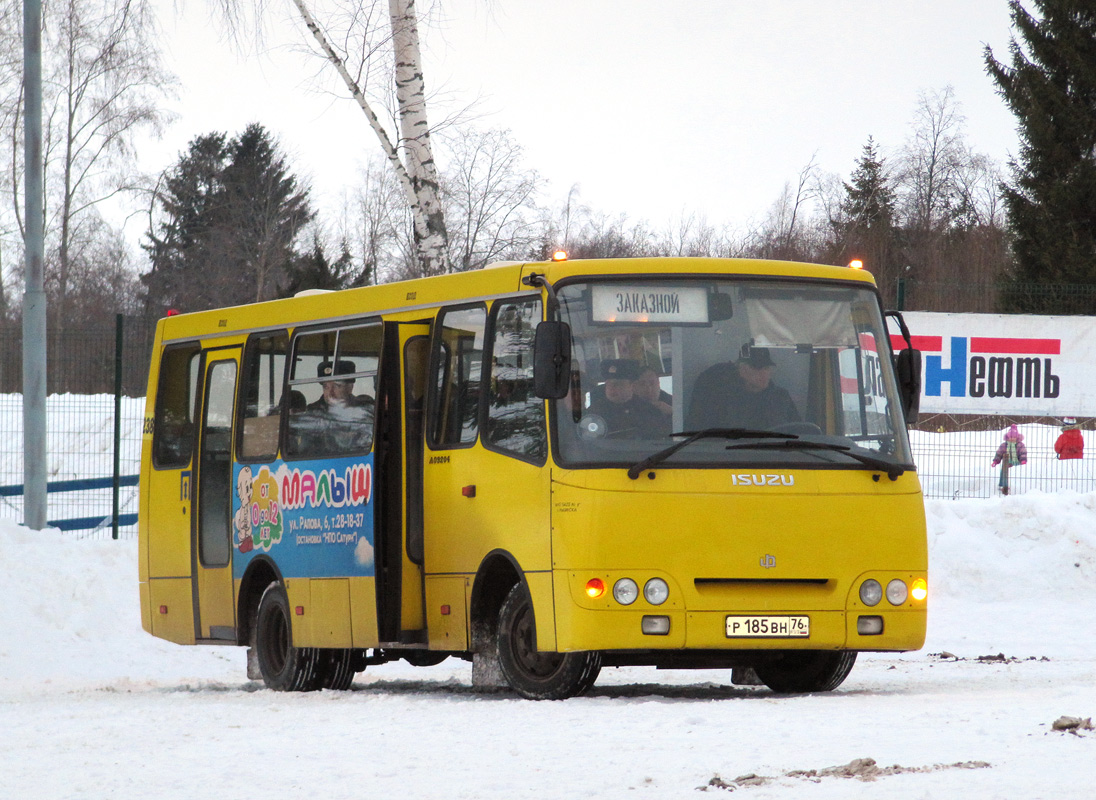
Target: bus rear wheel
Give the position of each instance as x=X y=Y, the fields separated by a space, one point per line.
x=334 y=669
x=807 y=671
x=533 y=674
x=284 y=668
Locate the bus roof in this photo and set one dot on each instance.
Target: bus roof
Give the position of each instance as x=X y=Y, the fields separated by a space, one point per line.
x=497 y=279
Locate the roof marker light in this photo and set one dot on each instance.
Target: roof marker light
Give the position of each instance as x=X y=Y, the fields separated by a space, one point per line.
x=559 y=255
x=856 y=263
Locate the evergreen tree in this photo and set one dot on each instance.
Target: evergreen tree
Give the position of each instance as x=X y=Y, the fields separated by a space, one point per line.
x=230 y=213
x=1051 y=199
x=867 y=228
x=869 y=199
x=191 y=201
x=314 y=270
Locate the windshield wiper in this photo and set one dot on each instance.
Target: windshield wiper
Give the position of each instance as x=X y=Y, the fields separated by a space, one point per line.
x=707 y=433
x=892 y=468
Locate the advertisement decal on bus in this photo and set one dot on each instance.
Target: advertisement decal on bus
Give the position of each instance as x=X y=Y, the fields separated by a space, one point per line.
x=315 y=516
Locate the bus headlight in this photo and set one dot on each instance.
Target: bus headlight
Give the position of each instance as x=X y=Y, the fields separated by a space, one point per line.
x=625 y=591
x=871 y=592
x=656 y=591
x=897 y=592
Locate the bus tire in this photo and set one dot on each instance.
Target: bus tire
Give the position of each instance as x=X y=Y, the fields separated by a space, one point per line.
x=284 y=668
x=334 y=669
x=539 y=675
x=807 y=671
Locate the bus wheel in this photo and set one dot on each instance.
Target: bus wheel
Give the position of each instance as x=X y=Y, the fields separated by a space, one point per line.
x=284 y=668
x=532 y=674
x=334 y=669
x=807 y=671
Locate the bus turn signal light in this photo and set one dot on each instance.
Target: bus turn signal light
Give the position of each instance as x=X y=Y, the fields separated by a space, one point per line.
x=920 y=589
x=595 y=588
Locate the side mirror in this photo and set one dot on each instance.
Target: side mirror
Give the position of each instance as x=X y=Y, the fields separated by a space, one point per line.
x=907 y=366
x=552 y=360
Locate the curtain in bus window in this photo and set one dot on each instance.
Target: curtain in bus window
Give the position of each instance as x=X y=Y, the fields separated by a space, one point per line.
x=261 y=395
x=458 y=365
x=515 y=415
x=176 y=392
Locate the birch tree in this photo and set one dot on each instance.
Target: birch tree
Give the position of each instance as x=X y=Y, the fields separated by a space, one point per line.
x=376 y=56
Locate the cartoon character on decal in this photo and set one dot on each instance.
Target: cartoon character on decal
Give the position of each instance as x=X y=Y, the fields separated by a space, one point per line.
x=242 y=520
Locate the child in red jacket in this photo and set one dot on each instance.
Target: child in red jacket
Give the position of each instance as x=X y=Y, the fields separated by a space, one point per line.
x=1070 y=444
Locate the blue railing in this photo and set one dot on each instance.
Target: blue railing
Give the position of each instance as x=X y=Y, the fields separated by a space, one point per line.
x=81 y=485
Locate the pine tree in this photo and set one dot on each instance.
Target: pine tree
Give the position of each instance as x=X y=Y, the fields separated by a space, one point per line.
x=1051 y=198
x=867 y=229
x=314 y=270
x=230 y=214
x=191 y=201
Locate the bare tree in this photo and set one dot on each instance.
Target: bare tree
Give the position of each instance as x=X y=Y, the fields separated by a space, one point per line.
x=787 y=232
x=490 y=200
x=931 y=161
x=103 y=82
x=354 y=37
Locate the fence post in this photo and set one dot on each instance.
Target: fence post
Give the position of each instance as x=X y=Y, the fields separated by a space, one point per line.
x=119 y=325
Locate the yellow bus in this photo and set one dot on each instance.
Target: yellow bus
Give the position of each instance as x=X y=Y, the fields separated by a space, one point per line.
x=543 y=468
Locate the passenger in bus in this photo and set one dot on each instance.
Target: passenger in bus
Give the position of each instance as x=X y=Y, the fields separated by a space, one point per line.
x=647 y=387
x=626 y=415
x=339 y=420
x=741 y=394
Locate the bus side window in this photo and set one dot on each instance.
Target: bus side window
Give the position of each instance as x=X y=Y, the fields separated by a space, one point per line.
x=332 y=391
x=515 y=415
x=458 y=368
x=261 y=396
x=176 y=392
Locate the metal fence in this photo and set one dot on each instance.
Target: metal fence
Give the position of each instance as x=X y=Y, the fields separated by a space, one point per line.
x=84 y=368
x=954 y=456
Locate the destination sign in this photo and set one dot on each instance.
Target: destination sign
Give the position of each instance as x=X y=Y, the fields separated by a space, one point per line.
x=646 y=304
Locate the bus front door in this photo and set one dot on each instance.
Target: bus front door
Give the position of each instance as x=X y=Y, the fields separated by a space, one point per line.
x=399 y=475
x=215 y=615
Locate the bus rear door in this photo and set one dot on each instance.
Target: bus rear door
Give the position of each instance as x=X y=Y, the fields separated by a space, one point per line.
x=212 y=510
x=399 y=454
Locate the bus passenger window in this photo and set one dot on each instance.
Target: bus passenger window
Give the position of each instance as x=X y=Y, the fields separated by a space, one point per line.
x=332 y=391
x=176 y=391
x=458 y=366
x=261 y=396
x=515 y=415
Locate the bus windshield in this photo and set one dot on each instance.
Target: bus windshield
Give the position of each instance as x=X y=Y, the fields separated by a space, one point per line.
x=777 y=372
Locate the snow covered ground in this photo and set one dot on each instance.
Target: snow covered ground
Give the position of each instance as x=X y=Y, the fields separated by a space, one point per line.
x=92 y=707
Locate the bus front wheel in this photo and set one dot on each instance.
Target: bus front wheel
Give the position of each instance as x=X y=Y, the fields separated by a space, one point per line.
x=284 y=668
x=807 y=671
x=533 y=674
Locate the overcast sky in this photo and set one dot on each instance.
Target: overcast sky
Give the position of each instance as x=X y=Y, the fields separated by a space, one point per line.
x=654 y=109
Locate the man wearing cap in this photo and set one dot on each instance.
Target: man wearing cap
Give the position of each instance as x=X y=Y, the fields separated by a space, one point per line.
x=345 y=420
x=740 y=395
x=626 y=415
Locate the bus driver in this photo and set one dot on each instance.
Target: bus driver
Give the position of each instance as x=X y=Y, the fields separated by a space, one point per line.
x=741 y=395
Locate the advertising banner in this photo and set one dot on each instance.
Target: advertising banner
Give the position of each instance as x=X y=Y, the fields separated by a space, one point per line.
x=1015 y=364
x=315 y=518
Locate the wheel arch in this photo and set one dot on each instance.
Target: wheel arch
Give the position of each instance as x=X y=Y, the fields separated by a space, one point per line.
x=260 y=573
x=498 y=573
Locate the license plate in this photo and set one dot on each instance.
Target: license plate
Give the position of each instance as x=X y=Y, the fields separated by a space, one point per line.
x=769 y=627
